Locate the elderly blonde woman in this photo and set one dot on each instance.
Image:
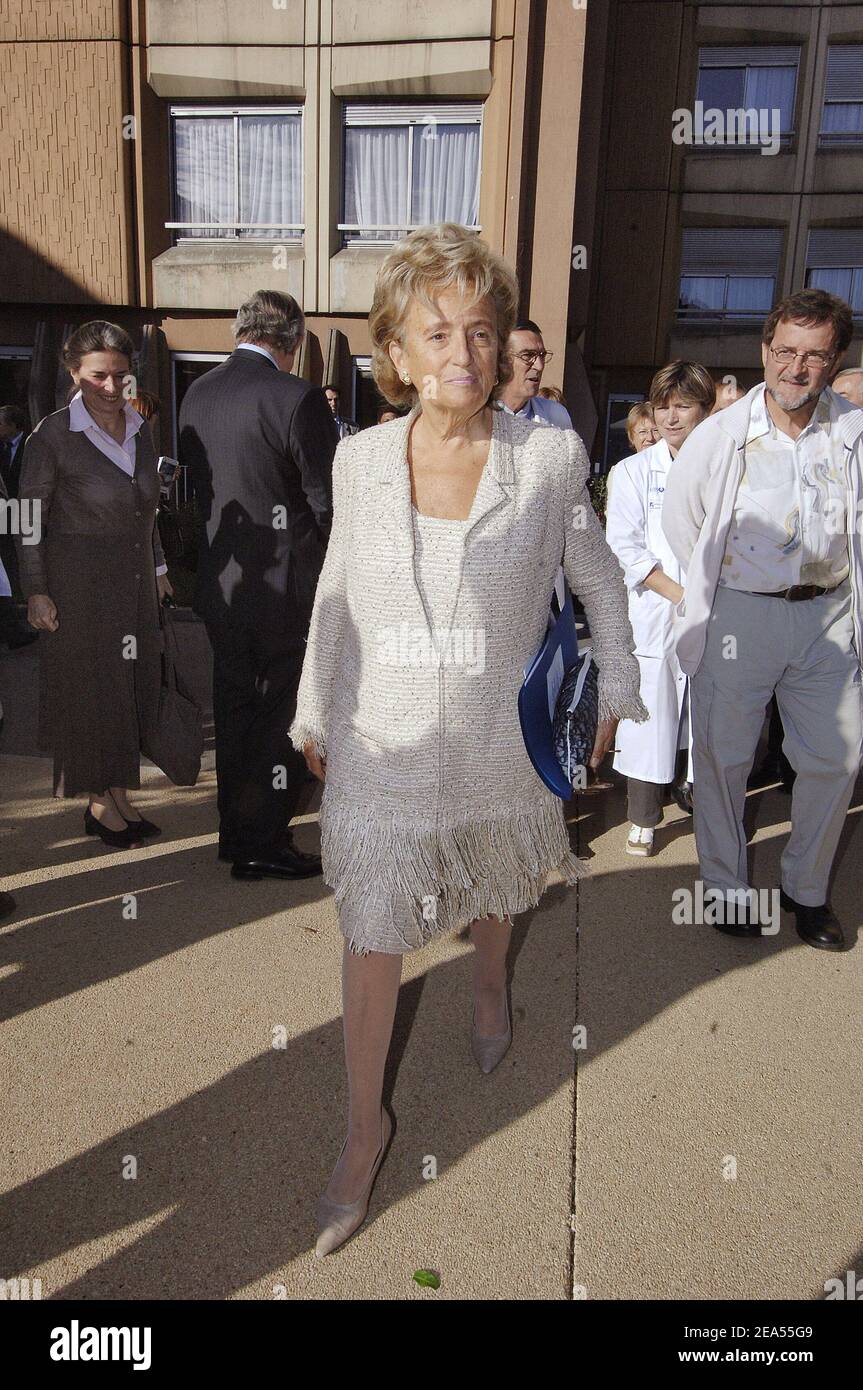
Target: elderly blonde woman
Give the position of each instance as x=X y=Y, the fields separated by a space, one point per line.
x=449 y=526
x=641 y=428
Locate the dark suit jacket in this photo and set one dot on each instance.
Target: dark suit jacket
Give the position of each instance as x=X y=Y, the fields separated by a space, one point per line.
x=10 y=482
x=259 y=445
x=11 y=472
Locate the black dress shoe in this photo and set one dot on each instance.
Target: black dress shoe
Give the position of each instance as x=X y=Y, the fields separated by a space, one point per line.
x=143 y=827
x=288 y=863
x=118 y=839
x=817 y=926
x=743 y=924
x=7 y=905
x=681 y=792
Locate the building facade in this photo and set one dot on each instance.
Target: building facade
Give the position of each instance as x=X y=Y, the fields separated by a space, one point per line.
x=692 y=232
x=165 y=158
x=162 y=159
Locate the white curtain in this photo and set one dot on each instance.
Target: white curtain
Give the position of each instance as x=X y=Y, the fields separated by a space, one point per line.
x=271 y=181
x=769 y=88
x=703 y=292
x=750 y=294
x=376 y=176
x=204 y=163
x=446 y=174
x=843 y=118
x=836 y=282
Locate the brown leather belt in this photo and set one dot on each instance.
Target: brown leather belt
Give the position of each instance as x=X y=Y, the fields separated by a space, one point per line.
x=797 y=593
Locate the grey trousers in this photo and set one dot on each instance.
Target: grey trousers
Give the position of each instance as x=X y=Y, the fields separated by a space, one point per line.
x=803 y=652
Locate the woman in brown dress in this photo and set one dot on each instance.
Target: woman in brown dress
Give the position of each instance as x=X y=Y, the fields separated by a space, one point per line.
x=94 y=582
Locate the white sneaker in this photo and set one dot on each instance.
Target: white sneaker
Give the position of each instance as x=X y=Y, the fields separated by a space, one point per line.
x=640 y=840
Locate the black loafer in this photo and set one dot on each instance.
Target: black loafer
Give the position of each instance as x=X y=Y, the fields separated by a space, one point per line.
x=742 y=926
x=681 y=792
x=143 y=827
x=289 y=863
x=736 y=919
x=817 y=926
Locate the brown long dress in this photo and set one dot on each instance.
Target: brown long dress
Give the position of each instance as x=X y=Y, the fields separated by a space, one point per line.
x=96 y=558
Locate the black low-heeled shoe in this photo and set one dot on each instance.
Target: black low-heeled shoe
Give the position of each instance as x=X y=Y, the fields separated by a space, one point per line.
x=118 y=839
x=143 y=827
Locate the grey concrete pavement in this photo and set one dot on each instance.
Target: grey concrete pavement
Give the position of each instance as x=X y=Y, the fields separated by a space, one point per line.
x=145 y=1044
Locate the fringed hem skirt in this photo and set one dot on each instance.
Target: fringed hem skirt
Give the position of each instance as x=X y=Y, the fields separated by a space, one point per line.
x=397 y=887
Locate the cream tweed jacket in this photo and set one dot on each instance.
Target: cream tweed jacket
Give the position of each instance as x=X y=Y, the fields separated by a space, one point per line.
x=430 y=799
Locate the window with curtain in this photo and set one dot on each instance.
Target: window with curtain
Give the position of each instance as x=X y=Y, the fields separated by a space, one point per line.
x=842 y=116
x=728 y=273
x=762 y=78
x=238 y=173
x=834 y=262
x=406 y=166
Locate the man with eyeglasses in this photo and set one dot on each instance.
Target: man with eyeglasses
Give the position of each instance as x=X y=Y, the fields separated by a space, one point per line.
x=520 y=396
x=763 y=509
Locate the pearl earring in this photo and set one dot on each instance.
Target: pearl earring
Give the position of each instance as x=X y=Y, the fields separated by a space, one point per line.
x=406 y=379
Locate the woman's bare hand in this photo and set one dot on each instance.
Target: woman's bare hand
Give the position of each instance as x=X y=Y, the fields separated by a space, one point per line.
x=42 y=613
x=163 y=586
x=317 y=766
x=605 y=731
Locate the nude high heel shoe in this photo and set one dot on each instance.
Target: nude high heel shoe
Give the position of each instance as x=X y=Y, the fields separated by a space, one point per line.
x=337 y=1221
x=489 y=1051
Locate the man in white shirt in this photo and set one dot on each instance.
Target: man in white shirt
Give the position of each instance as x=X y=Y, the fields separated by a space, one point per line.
x=520 y=396
x=763 y=509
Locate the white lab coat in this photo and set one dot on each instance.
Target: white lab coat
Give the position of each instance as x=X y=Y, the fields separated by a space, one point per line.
x=634 y=532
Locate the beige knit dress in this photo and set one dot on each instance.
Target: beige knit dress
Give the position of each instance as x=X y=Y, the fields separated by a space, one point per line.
x=432 y=814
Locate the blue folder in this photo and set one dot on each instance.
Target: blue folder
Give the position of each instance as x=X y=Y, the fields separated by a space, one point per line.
x=538 y=695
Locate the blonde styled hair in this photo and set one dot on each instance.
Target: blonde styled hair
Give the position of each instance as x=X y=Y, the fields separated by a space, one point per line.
x=441 y=256
x=642 y=410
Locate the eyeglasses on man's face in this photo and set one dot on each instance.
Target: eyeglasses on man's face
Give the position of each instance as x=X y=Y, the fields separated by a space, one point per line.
x=815 y=359
x=528 y=357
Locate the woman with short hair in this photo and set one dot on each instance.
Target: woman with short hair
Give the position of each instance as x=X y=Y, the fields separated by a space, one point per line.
x=649 y=756
x=449 y=526
x=93 y=582
x=641 y=428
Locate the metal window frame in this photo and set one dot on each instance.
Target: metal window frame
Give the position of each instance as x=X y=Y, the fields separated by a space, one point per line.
x=411 y=122
x=724 y=314
x=786 y=137
x=173 y=358
x=600 y=469
x=238 y=227
x=852 y=270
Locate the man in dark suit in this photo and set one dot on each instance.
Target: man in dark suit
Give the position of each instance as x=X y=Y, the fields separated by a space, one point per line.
x=344 y=427
x=259 y=443
x=13 y=630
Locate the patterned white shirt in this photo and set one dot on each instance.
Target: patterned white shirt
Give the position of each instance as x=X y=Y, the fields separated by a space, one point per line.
x=788 y=525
